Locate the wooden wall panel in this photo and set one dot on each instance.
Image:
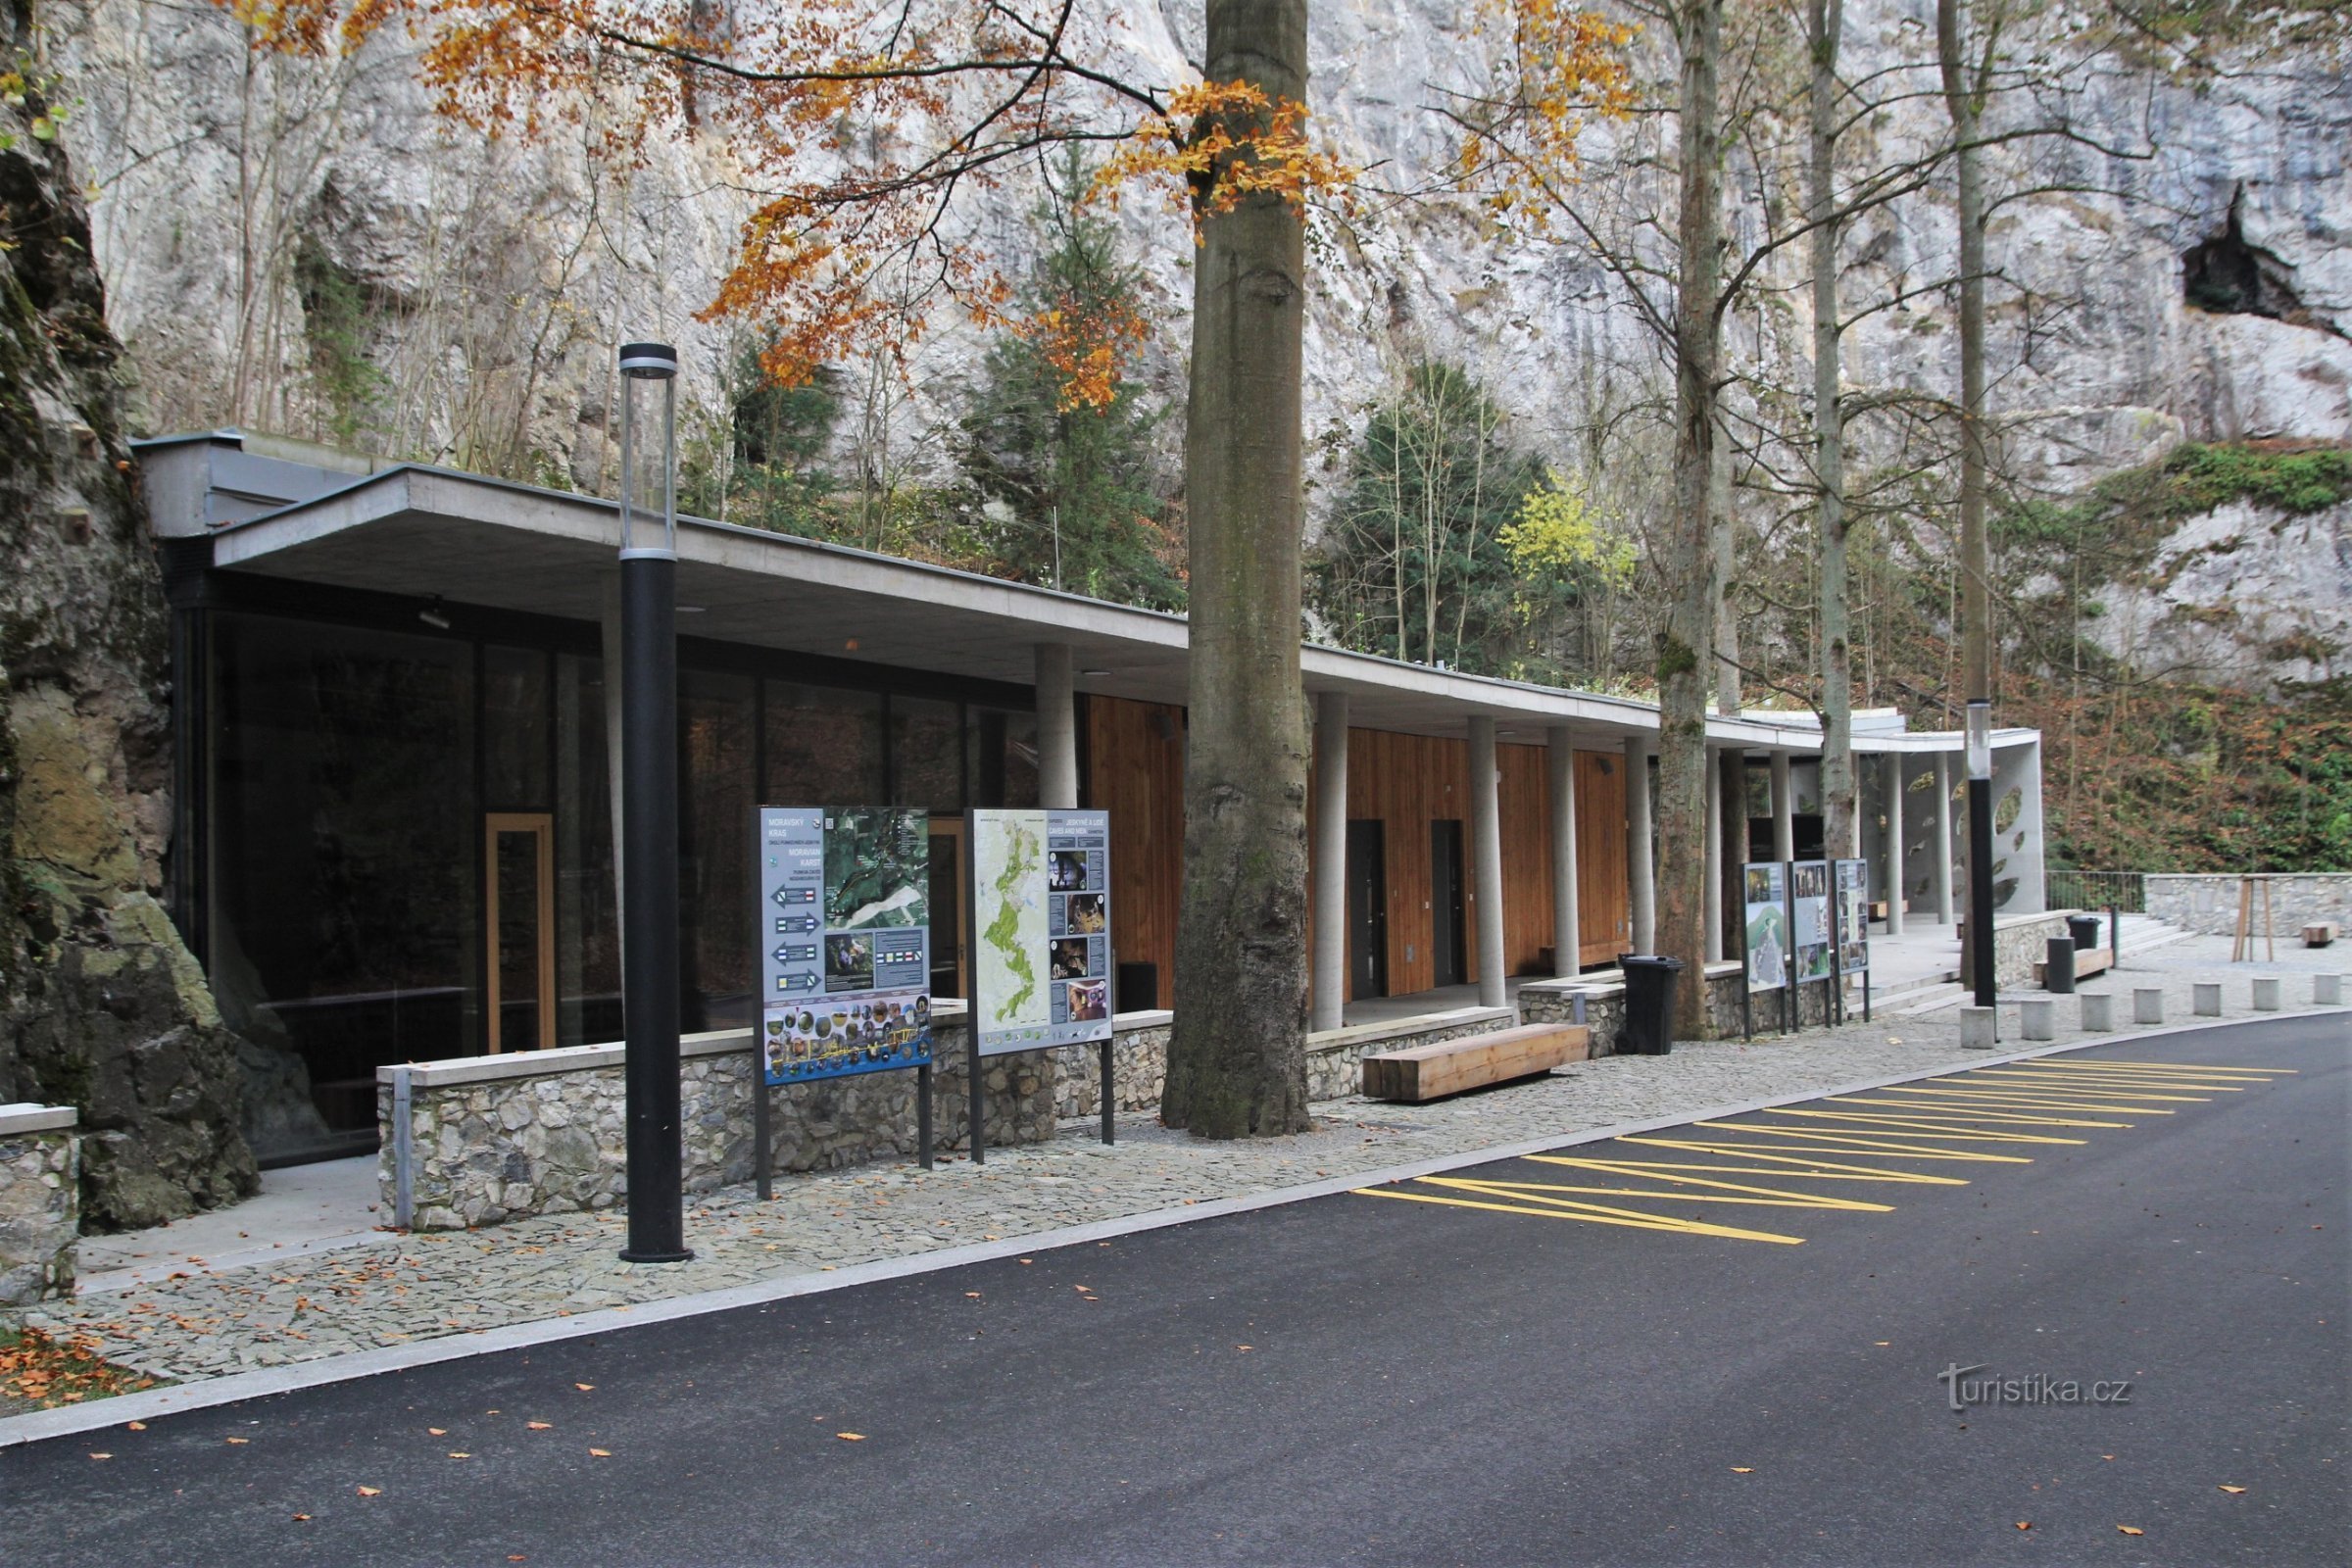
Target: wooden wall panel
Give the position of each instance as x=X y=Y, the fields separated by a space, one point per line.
x=1604 y=898
x=1405 y=782
x=1136 y=773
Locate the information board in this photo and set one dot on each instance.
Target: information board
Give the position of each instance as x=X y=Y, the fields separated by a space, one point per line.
x=845 y=940
x=1041 y=923
x=1853 y=916
x=1809 y=919
x=1766 y=924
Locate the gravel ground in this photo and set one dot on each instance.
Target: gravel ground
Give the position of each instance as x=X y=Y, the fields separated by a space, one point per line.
x=404 y=1288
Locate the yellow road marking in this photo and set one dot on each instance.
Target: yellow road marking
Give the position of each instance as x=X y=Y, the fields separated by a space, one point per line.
x=1824 y=1169
x=1913 y=1124
x=1946 y=1111
x=1837 y=1142
x=2192 y=1069
x=2026 y=1099
x=1770 y=1196
x=1909 y=1118
x=1592 y=1214
x=2047 y=1083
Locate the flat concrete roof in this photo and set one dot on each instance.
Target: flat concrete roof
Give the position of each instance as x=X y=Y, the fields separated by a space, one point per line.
x=428 y=532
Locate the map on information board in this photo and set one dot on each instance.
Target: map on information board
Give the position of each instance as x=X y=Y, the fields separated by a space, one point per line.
x=1041 y=915
x=845 y=941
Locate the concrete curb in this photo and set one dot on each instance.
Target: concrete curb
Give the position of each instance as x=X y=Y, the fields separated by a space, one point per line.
x=40 y=1424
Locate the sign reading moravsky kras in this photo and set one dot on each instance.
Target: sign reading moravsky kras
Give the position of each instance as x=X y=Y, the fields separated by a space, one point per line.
x=1040 y=938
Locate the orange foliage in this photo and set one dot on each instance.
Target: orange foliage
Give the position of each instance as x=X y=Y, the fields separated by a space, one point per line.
x=859 y=123
x=1560 y=68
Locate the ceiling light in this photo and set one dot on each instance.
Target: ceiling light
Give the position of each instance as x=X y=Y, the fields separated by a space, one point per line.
x=433 y=615
x=1094 y=672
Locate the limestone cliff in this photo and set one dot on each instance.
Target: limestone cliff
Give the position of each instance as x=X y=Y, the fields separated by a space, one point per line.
x=101 y=1006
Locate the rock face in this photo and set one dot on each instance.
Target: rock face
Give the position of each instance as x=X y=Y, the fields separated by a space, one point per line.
x=101 y=1006
x=315 y=253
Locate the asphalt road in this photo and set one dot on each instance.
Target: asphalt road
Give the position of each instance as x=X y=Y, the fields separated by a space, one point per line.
x=1357 y=1379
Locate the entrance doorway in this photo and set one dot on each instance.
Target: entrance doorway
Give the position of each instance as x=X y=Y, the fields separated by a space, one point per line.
x=1367 y=910
x=1446 y=901
x=520 y=922
x=948 y=912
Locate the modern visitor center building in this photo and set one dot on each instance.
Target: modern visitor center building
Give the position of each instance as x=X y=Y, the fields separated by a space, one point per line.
x=396 y=791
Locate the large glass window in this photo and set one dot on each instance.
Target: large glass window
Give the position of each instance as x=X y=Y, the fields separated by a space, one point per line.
x=514 y=738
x=926 y=753
x=343 y=856
x=1001 y=749
x=824 y=746
x=716 y=794
x=587 y=908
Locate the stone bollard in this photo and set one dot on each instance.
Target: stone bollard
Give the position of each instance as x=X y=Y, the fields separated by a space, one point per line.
x=2098 y=1012
x=2205 y=996
x=2038 y=1017
x=2265 y=996
x=1977 y=1029
x=2327 y=990
x=2147 y=1004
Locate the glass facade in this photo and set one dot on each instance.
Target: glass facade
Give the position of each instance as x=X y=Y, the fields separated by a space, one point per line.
x=402 y=828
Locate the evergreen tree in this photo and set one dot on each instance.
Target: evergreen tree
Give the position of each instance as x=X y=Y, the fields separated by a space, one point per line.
x=1057 y=445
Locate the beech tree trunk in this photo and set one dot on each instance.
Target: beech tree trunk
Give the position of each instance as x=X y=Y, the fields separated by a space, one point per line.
x=1237 y=1056
x=1824 y=19
x=1684 y=650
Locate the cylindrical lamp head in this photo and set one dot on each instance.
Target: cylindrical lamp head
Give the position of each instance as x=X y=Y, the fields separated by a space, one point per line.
x=649 y=446
x=1980 y=738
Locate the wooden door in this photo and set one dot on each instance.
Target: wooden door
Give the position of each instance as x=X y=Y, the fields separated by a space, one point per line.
x=1603 y=898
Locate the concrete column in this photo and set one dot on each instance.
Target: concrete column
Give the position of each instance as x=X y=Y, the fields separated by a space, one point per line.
x=1056 y=729
x=1640 y=871
x=1330 y=860
x=1784 y=809
x=1712 y=876
x=1891 y=786
x=1486 y=860
x=1567 y=927
x=1943 y=862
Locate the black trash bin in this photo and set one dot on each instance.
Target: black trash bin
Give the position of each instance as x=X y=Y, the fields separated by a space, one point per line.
x=1648 y=1002
x=2058 y=967
x=2084 y=928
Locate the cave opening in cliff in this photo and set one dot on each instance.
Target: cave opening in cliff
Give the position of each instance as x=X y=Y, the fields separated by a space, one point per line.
x=2228 y=276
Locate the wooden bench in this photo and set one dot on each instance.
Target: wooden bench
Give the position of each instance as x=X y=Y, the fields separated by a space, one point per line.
x=2319 y=934
x=2088 y=962
x=1426 y=1072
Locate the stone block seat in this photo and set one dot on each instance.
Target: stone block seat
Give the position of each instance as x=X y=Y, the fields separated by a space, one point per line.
x=1450 y=1067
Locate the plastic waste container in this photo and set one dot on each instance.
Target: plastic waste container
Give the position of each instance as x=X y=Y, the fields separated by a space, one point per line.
x=2084 y=928
x=1648 y=1002
x=2058 y=966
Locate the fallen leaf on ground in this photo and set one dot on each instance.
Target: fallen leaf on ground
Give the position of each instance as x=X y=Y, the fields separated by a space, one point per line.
x=600 y=1453
x=102 y=1456
x=583 y=1386
x=372 y=1492
x=2025 y=1524
x=1743 y=1469
x=238 y=1441
x=2132 y=1530
x=851 y=1437
x=972 y=1294
x=138 y=1426
x=458 y=1455
x=301 y=1518
x=436 y=1431
x=2234 y=1490
x=1245 y=1346
x=540 y=1426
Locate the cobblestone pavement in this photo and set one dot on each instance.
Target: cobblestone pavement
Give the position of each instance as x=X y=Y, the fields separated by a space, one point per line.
x=406 y=1288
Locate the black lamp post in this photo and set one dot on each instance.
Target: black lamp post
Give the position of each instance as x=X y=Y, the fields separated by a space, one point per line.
x=648 y=782
x=1979 y=849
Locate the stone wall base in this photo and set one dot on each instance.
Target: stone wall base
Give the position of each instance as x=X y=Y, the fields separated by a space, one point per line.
x=41 y=1206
